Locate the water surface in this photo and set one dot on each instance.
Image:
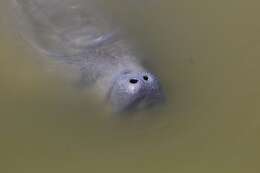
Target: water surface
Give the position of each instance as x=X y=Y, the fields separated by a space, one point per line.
x=207 y=56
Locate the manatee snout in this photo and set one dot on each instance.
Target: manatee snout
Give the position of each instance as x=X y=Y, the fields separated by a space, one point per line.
x=135 y=90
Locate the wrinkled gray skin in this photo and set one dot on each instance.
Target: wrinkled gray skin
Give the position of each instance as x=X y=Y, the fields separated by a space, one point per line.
x=80 y=33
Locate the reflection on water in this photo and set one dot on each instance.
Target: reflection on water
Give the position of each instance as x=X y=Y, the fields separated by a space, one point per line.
x=207 y=54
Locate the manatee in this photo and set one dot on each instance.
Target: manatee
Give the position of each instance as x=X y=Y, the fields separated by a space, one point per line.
x=82 y=33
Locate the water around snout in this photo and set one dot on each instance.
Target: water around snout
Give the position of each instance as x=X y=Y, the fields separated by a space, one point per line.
x=207 y=57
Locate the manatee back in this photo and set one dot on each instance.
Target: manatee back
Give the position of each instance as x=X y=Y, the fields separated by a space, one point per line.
x=64 y=28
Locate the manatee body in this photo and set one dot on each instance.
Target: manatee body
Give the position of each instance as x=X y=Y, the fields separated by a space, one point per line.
x=80 y=33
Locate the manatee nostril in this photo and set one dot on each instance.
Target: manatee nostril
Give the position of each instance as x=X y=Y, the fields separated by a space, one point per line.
x=133 y=81
x=145 y=78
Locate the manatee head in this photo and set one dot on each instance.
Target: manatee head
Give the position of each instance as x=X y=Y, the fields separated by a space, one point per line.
x=133 y=90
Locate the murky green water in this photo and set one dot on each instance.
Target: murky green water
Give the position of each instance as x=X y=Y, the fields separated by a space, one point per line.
x=207 y=54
